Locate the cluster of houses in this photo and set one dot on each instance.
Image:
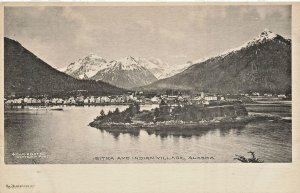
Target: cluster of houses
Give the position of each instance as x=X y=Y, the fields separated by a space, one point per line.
x=197 y=99
x=202 y=98
x=257 y=94
x=79 y=100
x=94 y=100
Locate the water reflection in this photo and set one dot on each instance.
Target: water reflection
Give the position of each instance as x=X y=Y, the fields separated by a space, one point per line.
x=178 y=132
x=116 y=133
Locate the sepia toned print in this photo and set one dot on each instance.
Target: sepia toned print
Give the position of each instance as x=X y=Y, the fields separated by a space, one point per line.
x=147 y=84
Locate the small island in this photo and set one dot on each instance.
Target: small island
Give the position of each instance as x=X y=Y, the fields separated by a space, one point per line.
x=173 y=117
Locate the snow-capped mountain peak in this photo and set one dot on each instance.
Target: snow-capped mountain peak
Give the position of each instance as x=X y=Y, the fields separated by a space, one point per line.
x=263 y=65
x=127 y=63
x=156 y=66
x=127 y=60
x=126 y=73
x=263 y=37
x=86 y=67
x=267 y=34
x=90 y=65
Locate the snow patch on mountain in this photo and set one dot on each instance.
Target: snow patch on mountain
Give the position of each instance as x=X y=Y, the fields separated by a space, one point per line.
x=156 y=66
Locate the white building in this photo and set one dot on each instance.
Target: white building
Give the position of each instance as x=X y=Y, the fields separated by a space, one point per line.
x=105 y=99
x=211 y=98
x=92 y=99
x=86 y=100
x=281 y=96
x=155 y=99
x=59 y=101
x=98 y=100
x=54 y=100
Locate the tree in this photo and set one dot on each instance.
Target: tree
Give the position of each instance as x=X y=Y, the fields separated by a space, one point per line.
x=102 y=113
x=162 y=103
x=156 y=112
x=117 y=111
x=133 y=109
x=127 y=119
x=137 y=107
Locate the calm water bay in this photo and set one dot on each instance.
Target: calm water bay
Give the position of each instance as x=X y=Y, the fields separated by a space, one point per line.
x=64 y=137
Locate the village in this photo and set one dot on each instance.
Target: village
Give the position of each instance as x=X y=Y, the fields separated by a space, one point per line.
x=139 y=97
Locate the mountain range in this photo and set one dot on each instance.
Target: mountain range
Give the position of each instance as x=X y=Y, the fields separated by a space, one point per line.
x=26 y=74
x=125 y=73
x=128 y=72
x=262 y=64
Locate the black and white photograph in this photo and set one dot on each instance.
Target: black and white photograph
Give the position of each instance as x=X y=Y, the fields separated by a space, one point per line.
x=147 y=84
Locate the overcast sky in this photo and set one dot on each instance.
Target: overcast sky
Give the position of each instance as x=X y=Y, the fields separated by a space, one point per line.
x=175 y=34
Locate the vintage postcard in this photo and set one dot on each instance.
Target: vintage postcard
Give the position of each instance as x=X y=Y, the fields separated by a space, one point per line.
x=136 y=84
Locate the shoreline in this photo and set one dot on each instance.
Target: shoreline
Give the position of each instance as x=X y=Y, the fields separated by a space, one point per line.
x=183 y=130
